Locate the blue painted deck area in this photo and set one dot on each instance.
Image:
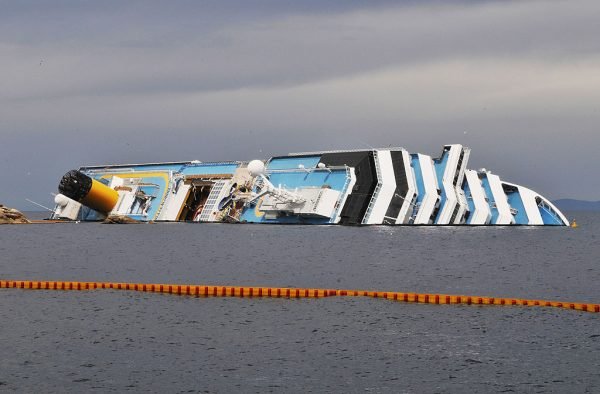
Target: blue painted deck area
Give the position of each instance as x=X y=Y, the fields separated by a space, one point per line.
x=336 y=179
x=469 y=197
x=488 y=192
x=414 y=163
x=550 y=217
x=290 y=180
x=290 y=163
x=156 y=186
x=440 y=166
x=516 y=202
x=210 y=168
x=152 y=186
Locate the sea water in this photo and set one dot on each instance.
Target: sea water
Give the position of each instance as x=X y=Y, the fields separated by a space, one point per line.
x=103 y=340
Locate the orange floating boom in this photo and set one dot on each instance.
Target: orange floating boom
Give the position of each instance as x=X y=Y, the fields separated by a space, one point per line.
x=284 y=292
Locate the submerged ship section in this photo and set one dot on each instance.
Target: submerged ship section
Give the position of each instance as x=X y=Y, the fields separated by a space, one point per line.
x=353 y=187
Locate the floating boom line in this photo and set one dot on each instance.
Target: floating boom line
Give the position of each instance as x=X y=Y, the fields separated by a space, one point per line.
x=286 y=292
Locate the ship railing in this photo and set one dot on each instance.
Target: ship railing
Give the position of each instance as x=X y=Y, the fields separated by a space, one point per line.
x=304 y=170
x=166 y=195
x=322 y=152
x=342 y=194
x=550 y=211
x=115 y=171
x=259 y=184
x=410 y=203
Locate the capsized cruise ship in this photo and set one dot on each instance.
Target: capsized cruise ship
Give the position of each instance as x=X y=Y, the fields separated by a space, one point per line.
x=351 y=187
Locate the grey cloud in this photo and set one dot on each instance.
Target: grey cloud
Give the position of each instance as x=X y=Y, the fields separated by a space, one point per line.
x=516 y=81
x=139 y=56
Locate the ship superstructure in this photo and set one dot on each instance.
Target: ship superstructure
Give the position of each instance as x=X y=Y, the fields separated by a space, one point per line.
x=353 y=187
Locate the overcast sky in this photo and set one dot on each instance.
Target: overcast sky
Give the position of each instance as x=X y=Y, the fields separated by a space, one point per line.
x=97 y=82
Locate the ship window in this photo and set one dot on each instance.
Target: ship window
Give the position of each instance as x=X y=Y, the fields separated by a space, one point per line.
x=455 y=213
x=458 y=167
x=467 y=216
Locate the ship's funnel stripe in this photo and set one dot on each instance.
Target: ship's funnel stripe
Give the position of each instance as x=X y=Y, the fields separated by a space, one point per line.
x=284 y=292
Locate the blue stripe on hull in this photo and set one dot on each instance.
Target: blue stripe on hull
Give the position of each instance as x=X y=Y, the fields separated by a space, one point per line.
x=469 y=197
x=418 y=177
x=488 y=192
x=550 y=218
x=516 y=202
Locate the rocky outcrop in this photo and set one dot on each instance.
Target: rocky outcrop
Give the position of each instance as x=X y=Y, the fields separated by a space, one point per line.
x=120 y=219
x=11 y=216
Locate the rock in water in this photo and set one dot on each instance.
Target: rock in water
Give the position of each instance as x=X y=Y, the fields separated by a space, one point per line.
x=120 y=219
x=11 y=216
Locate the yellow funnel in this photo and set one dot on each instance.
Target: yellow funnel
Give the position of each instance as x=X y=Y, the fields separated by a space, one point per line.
x=91 y=193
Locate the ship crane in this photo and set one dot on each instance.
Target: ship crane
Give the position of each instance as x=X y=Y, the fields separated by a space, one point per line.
x=257 y=170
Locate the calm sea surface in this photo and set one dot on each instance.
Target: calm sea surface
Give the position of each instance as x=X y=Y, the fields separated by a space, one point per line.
x=101 y=341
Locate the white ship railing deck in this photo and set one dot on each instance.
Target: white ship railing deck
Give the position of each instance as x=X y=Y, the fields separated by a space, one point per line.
x=323 y=152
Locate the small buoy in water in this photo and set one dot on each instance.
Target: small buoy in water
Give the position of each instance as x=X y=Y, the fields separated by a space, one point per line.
x=574 y=224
